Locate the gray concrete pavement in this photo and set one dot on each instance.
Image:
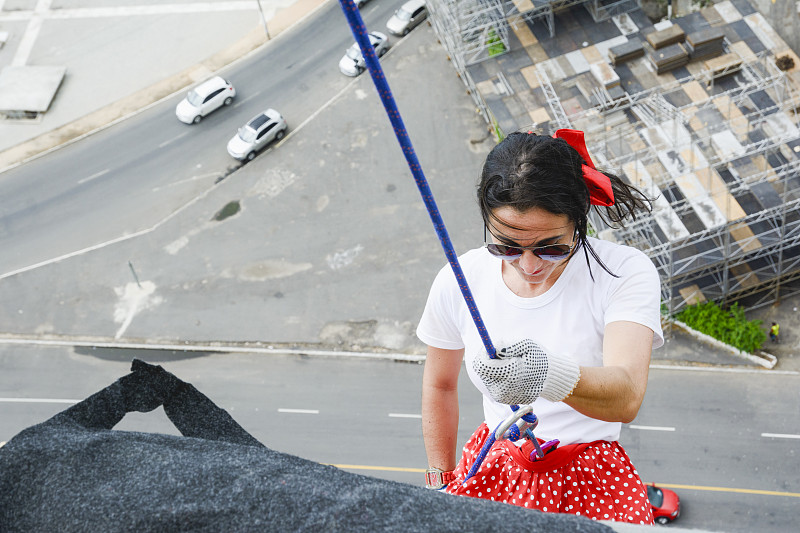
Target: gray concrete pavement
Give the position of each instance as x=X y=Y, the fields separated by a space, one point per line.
x=256 y=292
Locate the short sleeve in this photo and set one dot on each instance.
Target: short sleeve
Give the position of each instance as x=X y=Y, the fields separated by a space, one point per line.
x=438 y=326
x=635 y=296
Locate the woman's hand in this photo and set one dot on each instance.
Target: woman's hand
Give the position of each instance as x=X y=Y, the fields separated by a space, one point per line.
x=524 y=371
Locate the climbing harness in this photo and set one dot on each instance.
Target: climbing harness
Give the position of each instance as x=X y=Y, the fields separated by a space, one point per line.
x=522 y=421
x=519 y=424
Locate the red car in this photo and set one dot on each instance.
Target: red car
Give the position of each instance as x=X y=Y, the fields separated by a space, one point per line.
x=665 y=503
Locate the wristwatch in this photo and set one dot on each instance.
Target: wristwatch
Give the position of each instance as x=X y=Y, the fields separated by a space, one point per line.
x=436 y=478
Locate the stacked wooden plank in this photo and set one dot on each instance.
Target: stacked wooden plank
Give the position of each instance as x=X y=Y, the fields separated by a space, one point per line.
x=666 y=37
x=668 y=58
x=705 y=43
x=625 y=52
x=723 y=65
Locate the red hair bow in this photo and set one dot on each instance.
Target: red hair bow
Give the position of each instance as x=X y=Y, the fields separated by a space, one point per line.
x=600 y=191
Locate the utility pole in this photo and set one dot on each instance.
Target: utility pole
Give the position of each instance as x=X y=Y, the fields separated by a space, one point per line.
x=263 y=18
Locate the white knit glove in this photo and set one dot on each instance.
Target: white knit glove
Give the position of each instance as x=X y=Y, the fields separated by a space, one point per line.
x=524 y=371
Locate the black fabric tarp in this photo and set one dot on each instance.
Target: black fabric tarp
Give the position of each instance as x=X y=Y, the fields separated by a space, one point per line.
x=73 y=472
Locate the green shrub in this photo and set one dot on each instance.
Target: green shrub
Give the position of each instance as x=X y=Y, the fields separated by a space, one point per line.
x=496 y=46
x=730 y=327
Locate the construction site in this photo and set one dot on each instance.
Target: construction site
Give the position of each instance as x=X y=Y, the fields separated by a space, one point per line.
x=700 y=112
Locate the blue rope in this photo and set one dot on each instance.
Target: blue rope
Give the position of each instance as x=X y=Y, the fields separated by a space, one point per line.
x=490 y=440
x=360 y=33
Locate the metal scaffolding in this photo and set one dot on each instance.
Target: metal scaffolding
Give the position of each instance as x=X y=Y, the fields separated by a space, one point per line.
x=725 y=176
x=723 y=171
x=474 y=30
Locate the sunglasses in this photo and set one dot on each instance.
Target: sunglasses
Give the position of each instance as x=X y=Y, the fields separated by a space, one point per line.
x=549 y=252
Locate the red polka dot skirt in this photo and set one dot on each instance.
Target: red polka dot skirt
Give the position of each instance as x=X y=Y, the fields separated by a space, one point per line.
x=596 y=479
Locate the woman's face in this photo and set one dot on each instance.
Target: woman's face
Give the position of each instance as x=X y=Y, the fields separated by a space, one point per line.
x=534 y=227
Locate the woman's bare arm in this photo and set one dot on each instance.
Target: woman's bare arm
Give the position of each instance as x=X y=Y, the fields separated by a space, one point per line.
x=614 y=392
x=440 y=406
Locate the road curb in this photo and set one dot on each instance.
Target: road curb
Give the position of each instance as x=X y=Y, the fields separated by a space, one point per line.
x=762 y=358
x=211 y=347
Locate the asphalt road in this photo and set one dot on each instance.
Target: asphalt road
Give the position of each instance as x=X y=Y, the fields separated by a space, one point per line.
x=332 y=244
x=132 y=175
x=694 y=433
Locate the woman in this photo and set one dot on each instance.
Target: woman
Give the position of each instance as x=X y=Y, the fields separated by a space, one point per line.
x=575 y=319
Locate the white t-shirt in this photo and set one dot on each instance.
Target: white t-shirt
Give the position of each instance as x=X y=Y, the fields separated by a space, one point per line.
x=568 y=319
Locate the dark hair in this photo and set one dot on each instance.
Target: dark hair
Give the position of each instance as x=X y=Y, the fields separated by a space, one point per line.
x=527 y=171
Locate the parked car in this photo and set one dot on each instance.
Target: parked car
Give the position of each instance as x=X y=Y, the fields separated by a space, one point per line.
x=407 y=17
x=353 y=63
x=205 y=98
x=665 y=503
x=259 y=131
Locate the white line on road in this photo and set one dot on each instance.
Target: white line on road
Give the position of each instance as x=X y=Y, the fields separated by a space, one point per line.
x=94 y=176
x=651 y=428
x=240 y=101
x=37 y=400
x=404 y=415
x=188 y=180
x=780 y=436
x=31 y=33
x=2 y=443
x=170 y=141
x=300 y=411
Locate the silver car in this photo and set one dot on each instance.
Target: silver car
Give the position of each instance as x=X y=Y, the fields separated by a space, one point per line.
x=205 y=98
x=407 y=17
x=353 y=63
x=256 y=134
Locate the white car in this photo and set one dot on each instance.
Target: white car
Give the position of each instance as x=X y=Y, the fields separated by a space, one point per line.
x=353 y=63
x=204 y=99
x=407 y=17
x=259 y=131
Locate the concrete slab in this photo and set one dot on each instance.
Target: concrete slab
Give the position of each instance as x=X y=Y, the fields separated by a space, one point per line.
x=29 y=88
x=664 y=215
x=780 y=125
x=726 y=145
x=578 y=61
x=728 y=11
x=625 y=24
x=700 y=199
x=768 y=37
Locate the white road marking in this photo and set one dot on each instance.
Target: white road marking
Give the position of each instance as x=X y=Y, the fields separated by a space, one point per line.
x=404 y=415
x=94 y=176
x=780 y=436
x=31 y=33
x=170 y=141
x=240 y=101
x=651 y=428
x=188 y=180
x=2 y=443
x=299 y=411
x=37 y=400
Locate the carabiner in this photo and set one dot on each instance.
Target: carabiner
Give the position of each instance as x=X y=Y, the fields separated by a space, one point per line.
x=512 y=419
